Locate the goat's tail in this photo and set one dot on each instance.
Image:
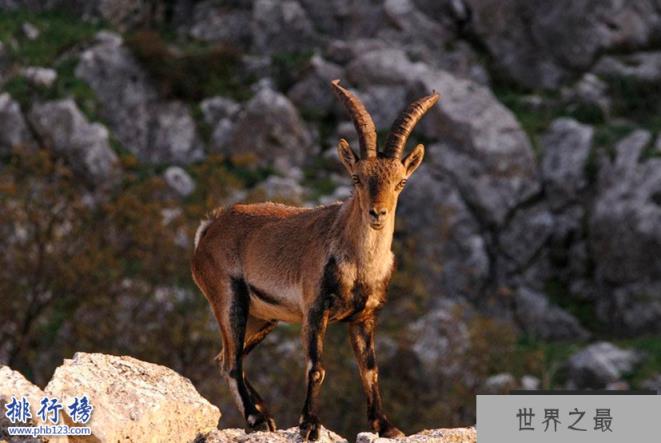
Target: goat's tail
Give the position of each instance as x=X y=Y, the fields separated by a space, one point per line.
x=204 y=224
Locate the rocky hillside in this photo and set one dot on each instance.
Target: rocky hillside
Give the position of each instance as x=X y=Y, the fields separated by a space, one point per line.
x=530 y=235
x=134 y=401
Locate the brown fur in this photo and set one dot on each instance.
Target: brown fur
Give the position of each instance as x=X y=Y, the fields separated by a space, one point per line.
x=263 y=263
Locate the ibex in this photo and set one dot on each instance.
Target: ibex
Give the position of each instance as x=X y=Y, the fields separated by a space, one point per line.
x=259 y=264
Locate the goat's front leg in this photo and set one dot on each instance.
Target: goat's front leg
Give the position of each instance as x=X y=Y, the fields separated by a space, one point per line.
x=362 y=341
x=314 y=329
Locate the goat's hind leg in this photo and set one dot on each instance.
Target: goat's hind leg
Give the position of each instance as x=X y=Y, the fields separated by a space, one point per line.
x=231 y=311
x=256 y=331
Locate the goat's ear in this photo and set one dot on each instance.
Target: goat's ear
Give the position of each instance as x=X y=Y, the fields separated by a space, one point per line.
x=413 y=160
x=346 y=154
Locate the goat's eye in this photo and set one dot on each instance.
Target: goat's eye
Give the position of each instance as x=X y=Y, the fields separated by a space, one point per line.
x=355 y=179
x=401 y=184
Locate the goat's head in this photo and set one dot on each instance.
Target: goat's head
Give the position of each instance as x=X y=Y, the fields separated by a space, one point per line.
x=379 y=177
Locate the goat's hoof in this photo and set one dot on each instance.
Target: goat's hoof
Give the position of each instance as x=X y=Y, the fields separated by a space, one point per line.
x=389 y=431
x=385 y=429
x=310 y=427
x=259 y=422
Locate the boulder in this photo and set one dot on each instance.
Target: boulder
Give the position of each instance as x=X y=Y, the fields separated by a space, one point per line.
x=445 y=235
x=270 y=129
x=499 y=384
x=30 y=31
x=643 y=66
x=281 y=27
x=14 y=131
x=529 y=39
x=540 y=318
x=13 y=384
x=625 y=233
x=285 y=189
x=178 y=179
x=39 y=76
x=653 y=384
x=62 y=127
x=214 y=22
x=134 y=401
x=589 y=91
x=599 y=364
x=313 y=93
x=154 y=130
x=217 y=108
x=290 y=435
x=565 y=146
x=526 y=233
x=455 y=435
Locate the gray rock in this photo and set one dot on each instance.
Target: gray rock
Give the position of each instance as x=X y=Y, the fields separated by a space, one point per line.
x=525 y=234
x=280 y=188
x=13 y=128
x=589 y=90
x=566 y=146
x=634 y=308
x=217 y=108
x=530 y=383
x=62 y=127
x=313 y=93
x=539 y=318
x=600 y=364
x=487 y=153
x=446 y=236
x=179 y=180
x=39 y=76
x=281 y=26
x=270 y=128
x=642 y=66
x=213 y=22
x=155 y=131
x=30 y=31
x=657 y=144
x=625 y=227
x=653 y=384
x=540 y=43
x=499 y=384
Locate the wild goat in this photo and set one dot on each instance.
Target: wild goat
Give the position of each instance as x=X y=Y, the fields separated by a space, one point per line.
x=263 y=263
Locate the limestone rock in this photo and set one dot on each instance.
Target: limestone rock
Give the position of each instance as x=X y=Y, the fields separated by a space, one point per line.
x=179 y=180
x=85 y=145
x=566 y=146
x=13 y=384
x=155 y=131
x=134 y=401
x=40 y=76
x=540 y=43
x=642 y=66
x=455 y=435
x=270 y=128
x=599 y=364
x=13 y=128
x=542 y=319
x=290 y=435
x=281 y=26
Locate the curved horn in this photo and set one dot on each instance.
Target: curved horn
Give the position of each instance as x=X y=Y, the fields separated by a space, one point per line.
x=361 y=120
x=405 y=123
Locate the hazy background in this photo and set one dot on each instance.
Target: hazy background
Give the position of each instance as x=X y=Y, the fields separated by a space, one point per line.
x=532 y=231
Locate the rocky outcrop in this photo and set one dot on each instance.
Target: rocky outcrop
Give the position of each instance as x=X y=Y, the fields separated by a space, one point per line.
x=14 y=386
x=133 y=400
x=62 y=127
x=566 y=146
x=457 y=435
x=291 y=435
x=528 y=39
x=599 y=365
x=270 y=130
x=156 y=131
x=14 y=131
